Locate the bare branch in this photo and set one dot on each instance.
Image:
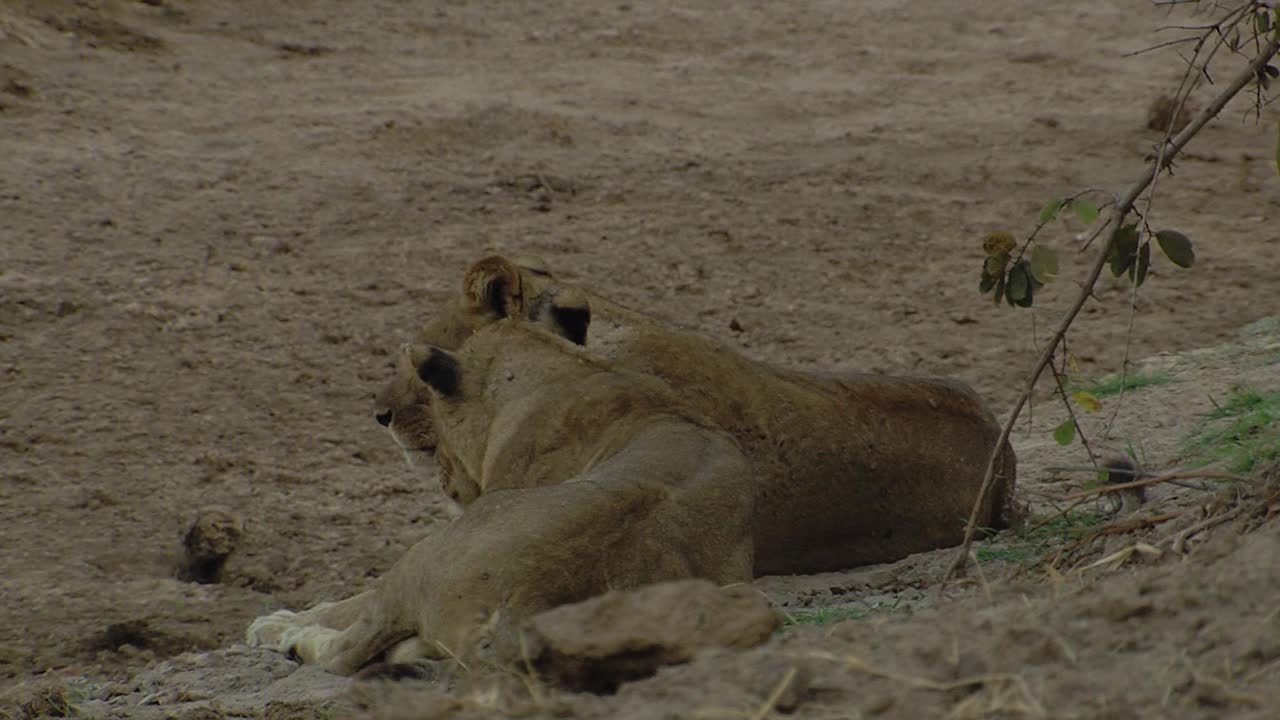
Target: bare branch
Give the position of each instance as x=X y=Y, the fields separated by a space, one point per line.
x=1161 y=46
x=1169 y=149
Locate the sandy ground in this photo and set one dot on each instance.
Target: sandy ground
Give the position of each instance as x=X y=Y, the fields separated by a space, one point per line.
x=217 y=219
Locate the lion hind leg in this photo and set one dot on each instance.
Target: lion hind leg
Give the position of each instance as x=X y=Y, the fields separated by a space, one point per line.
x=409 y=651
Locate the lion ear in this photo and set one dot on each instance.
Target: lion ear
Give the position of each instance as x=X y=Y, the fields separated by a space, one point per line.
x=494 y=285
x=569 y=316
x=440 y=371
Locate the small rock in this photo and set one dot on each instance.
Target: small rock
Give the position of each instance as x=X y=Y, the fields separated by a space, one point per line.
x=207 y=544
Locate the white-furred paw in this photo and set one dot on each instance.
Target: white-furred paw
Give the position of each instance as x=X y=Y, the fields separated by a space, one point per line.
x=310 y=643
x=269 y=630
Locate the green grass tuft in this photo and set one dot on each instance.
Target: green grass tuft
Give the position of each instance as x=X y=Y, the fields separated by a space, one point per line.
x=1113 y=384
x=1024 y=547
x=823 y=615
x=1242 y=433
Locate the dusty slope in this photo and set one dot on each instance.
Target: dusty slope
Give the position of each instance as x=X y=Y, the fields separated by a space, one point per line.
x=1179 y=631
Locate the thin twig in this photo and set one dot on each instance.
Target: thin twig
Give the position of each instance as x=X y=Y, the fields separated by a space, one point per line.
x=1167 y=477
x=774 y=696
x=1191 y=78
x=1055 y=516
x=1113 y=529
x=1066 y=401
x=1167 y=43
x=1118 y=213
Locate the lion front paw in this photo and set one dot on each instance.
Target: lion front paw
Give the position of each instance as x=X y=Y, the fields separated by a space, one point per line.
x=269 y=630
x=310 y=644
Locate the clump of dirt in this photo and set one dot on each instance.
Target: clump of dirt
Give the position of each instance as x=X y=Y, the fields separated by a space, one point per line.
x=140 y=638
x=47 y=698
x=208 y=544
x=16 y=82
x=598 y=644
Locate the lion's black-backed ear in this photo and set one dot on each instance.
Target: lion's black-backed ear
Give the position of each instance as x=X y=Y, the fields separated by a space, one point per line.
x=572 y=322
x=440 y=371
x=568 y=315
x=494 y=285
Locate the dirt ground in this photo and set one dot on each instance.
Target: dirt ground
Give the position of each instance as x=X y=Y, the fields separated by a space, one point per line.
x=218 y=218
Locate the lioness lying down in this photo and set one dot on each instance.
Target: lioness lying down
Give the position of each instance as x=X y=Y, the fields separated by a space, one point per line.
x=848 y=469
x=677 y=458
x=588 y=478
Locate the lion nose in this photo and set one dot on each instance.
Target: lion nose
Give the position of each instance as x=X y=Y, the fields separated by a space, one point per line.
x=384 y=419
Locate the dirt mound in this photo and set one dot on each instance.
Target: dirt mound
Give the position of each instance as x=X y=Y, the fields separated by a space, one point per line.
x=618 y=637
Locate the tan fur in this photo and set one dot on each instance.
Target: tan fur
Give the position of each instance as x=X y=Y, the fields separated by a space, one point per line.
x=583 y=473
x=587 y=478
x=850 y=469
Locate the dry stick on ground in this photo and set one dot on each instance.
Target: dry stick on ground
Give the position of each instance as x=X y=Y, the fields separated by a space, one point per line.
x=1120 y=528
x=1028 y=706
x=1115 y=220
x=1176 y=539
x=1156 y=480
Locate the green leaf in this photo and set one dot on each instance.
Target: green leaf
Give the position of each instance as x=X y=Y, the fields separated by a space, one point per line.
x=987 y=283
x=1018 y=282
x=1176 y=247
x=1065 y=433
x=1085 y=211
x=1044 y=263
x=1028 y=298
x=1087 y=400
x=1050 y=211
x=1262 y=19
x=1138 y=271
x=1024 y=269
x=999 y=290
x=994 y=265
x=1124 y=243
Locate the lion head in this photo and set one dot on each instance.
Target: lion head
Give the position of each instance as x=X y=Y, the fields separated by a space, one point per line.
x=494 y=288
x=519 y=395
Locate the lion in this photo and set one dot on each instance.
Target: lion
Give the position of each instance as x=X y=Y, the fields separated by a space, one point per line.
x=850 y=469
x=584 y=477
